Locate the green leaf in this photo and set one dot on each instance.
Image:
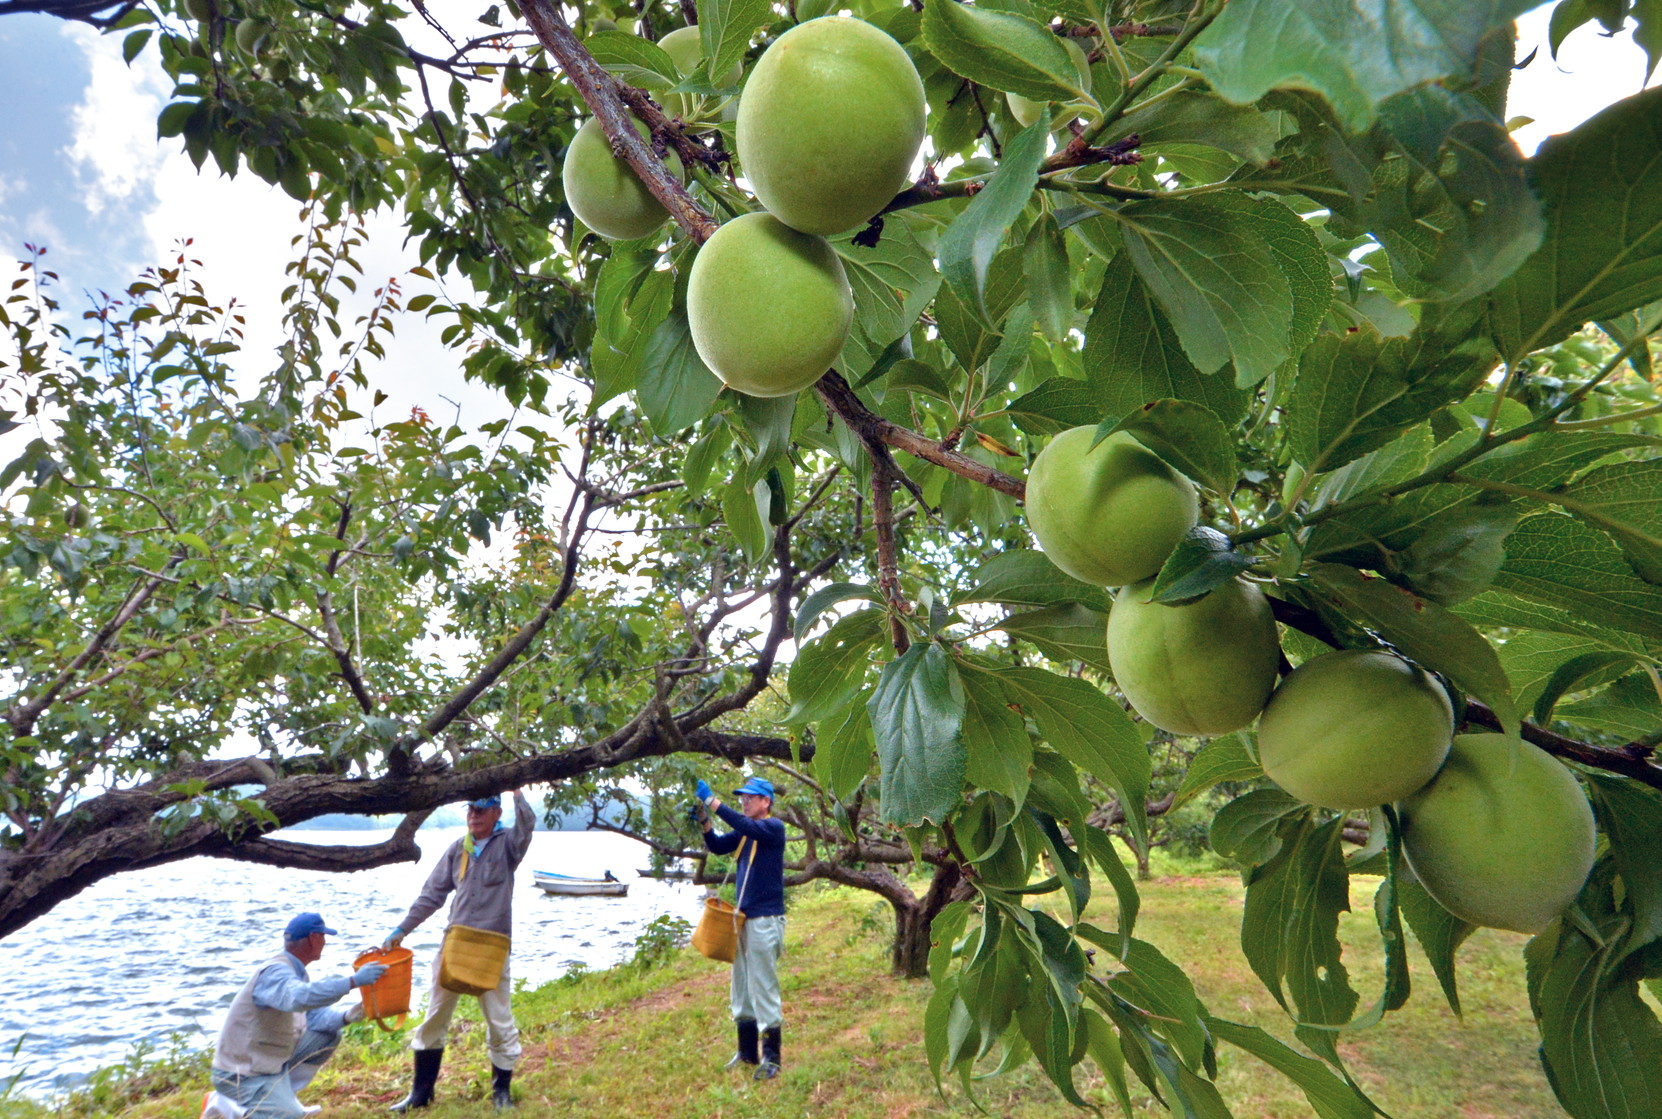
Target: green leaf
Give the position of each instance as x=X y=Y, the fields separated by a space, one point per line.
x=1578 y=674
x=1217 y=280
x=830 y=670
x=744 y=518
x=1354 y=53
x=1090 y=730
x=1631 y=817
x=1359 y=391
x=1056 y=405
x=917 y=716
x=843 y=746
x=1026 y=577
x=1188 y=437
x=1202 y=560
x=637 y=61
x=1000 y=50
x=1225 y=758
x=1067 y=632
x=1625 y=500
x=1195 y=117
x=1602 y=251
x=1459 y=554
x=1430 y=634
x=1049 y=278
x=893 y=281
x=824 y=598
x=969 y=243
x=134 y=43
x=1439 y=932
x=1290 y=924
x=1298 y=253
x=1132 y=355
x=1247 y=829
x=725 y=28
x=1438 y=181
x=674 y=387
x=1559 y=562
x=1161 y=988
x=1329 y=1095
x=1601 y=1044
x=998 y=750
x=1628 y=708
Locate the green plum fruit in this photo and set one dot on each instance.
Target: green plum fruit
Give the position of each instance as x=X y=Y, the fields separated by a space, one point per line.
x=1026 y=112
x=251 y=35
x=199 y=10
x=829 y=124
x=1355 y=729
x=686 y=49
x=1502 y=837
x=1109 y=515
x=604 y=191
x=1203 y=667
x=769 y=307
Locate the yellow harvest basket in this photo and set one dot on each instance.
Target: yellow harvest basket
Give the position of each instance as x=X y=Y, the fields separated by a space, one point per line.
x=717 y=934
x=472 y=960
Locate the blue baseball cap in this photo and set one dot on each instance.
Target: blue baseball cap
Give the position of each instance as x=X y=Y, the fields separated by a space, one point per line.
x=485 y=802
x=305 y=925
x=759 y=786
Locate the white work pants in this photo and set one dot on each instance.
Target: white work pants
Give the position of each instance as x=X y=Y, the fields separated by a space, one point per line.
x=755 y=990
x=501 y=1035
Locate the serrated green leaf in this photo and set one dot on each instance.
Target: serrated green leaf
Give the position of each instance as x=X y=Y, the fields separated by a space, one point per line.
x=1290 y=923
x=674 y=387
x=725 y=28
x=970 y=242
x=824 y=598
x=998 y=750
x=892 y=281
x=1356 y=54
x=830 y=670
x=1555 y=560
x=1202 y=560
x=1430 y=634
x=1225 y=758
x=1625 y=500
x=1000 y=50
x=744 y=519
x=1056 y=405
x=1631 y=817
x=1090 y=730
x=843 y=748
x=1577 y=674
x=1068 y=632
x=1196 y=117
x=1027 y=577
x=1459 y=553
x=1439 y=932
x=917 y=717
x=1602 y=251
x=1049 y=278
x=1188 y=437
x=1247 y=829
x=1329 y=1095
x=1216 y=279
x=637 y=61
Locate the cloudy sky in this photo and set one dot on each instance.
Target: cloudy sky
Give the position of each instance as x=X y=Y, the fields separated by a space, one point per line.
x=82 y=174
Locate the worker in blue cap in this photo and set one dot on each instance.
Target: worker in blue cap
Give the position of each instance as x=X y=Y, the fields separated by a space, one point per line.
x=479 y=868
x=281 y=1028
x=759 y=841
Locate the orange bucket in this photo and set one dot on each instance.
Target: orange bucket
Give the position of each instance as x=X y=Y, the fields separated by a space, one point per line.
x=388 y=996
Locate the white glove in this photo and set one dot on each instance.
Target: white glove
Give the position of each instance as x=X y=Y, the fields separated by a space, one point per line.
x=354 y=1014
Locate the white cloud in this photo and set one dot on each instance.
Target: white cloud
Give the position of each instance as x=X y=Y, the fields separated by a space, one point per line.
x=114 y=151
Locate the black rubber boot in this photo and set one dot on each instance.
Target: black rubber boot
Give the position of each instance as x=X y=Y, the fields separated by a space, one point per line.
x=769 y=1068
x=426 y=1075
x=501 y=1097
x=746 y=1053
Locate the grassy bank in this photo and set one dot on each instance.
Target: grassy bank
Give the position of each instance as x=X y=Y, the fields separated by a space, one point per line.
x=634 y=1042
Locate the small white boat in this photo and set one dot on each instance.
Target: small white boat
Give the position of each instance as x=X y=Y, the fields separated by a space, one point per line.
x=569 y=886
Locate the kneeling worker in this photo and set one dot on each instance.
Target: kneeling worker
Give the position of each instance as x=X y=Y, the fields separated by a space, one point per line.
x=759 y=841
x=280 y=1029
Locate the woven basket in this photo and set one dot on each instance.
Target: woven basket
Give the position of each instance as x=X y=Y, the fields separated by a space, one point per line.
x=717 y=934
x=472 y=960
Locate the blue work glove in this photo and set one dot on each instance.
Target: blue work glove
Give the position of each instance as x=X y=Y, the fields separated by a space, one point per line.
x=394 y=938
x=703 y=791
x=368 y=974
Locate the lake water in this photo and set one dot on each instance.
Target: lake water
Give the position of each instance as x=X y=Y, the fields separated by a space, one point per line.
x=142 y=955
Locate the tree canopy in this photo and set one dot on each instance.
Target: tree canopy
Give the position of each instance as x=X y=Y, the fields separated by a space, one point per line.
x=1289 y=253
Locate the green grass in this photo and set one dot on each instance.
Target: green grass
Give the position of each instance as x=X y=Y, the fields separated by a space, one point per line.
x=651 y=1043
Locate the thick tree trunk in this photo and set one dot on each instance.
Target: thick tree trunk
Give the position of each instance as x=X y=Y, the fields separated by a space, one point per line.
x=909 y=955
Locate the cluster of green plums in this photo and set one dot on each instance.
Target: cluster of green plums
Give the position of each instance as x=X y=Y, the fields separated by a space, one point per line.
x=1498 y=832
x=828 y=126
